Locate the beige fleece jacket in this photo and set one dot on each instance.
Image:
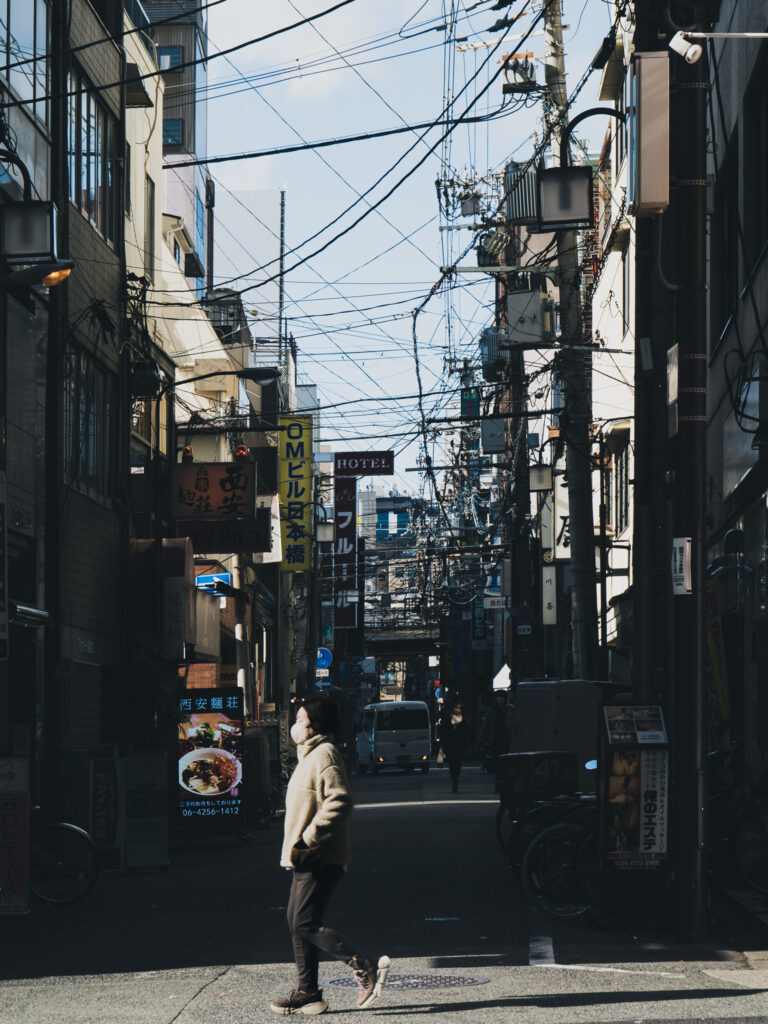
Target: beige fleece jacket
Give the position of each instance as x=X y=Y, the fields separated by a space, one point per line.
x=318 y=804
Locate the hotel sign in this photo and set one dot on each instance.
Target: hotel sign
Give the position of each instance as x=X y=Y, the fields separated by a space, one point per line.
x=364 y=463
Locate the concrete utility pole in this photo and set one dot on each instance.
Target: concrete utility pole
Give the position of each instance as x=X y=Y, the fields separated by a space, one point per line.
x=688 y=124
x=576 y=373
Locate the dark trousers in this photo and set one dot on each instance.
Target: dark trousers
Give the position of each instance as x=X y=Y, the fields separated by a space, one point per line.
x=310 y=892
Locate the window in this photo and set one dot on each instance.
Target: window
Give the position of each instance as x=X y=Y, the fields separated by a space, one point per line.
x=169 y=57
x=24 y=38
x=621 y=488
x=149 y=228
x=89 y=423
x=756 y=164
x=401 y=718
x=172 y=131
x=725 y=239
x=621 y=126
x=626 y=289
x=149 y=423
x=127 y=174
x=91 y=158
x=177 y=251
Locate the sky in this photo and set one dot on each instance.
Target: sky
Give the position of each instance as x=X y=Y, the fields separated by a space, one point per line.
x=370 y=67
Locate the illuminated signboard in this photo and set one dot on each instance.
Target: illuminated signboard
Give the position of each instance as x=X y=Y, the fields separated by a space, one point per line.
x=296 y=492
x=364 y=463
x=345 y=553
x=214 y=490
x=210 y=759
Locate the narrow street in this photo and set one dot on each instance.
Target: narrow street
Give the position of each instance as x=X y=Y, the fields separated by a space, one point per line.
x=206 y=941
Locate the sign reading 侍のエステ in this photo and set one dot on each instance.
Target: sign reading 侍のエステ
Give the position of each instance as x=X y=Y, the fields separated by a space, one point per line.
x=296 y=492
x=210 y=759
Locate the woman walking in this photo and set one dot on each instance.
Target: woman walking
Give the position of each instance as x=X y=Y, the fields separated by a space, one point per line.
x=316 y=848
x=453 y=738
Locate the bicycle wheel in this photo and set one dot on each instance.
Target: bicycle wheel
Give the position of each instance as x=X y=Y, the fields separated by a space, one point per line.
x=550 y=872
x=751 y=849
x=505 y=827
x=62 y=863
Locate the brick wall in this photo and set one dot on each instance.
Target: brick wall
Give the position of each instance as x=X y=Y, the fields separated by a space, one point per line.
x=201 y=676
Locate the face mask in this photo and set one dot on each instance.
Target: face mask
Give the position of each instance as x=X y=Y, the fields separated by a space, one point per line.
x=455 y=719
x=299 y=733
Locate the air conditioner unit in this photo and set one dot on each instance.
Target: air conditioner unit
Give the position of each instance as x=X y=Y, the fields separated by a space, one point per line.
x=520 y=194
x=529 y=317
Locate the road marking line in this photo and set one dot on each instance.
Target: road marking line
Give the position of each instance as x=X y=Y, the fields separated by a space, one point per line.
x=612 y=970
x=540 y=951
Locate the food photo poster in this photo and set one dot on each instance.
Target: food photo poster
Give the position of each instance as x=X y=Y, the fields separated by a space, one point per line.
x=210 y=756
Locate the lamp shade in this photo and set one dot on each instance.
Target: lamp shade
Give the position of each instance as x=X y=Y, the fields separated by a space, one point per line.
x=565 y=197
x=28 y=231
x=540 y=478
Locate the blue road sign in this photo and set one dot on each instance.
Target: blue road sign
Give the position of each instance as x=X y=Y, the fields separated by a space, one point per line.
x=323 y=684
x=324 y=657
x=208 y=582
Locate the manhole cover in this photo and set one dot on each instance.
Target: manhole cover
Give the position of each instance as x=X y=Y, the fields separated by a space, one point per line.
x=416 y=981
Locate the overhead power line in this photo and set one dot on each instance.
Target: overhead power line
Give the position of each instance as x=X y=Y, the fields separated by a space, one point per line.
x=340 y=141
x=200 y=60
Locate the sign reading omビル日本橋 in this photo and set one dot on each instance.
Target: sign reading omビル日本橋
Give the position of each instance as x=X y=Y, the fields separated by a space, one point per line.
x=296 y=492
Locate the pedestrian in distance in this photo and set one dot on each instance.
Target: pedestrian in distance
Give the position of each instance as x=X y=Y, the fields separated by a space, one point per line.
x=317 y=850
x=497 y=729
x=453 y=737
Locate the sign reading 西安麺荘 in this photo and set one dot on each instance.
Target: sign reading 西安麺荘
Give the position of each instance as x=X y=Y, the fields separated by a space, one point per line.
x=296 y=492
x=214 y=490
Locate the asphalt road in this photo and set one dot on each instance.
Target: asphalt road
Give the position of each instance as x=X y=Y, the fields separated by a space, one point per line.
x=206 y=941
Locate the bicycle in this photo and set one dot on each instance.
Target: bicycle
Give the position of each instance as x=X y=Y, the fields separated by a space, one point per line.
x=738 y=826
x=559 y=869
x=62 y=862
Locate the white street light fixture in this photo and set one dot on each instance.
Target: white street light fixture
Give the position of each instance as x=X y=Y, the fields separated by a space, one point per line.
x=691 y=52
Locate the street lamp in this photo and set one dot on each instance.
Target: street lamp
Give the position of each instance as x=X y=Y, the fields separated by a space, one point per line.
x=255 y=374
x=28 y=237
x=691 y=52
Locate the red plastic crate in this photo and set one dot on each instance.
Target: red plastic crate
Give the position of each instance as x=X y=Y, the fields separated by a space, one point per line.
x=537 y=773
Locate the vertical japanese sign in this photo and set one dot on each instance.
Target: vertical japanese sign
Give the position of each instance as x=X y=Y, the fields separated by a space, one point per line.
x=14 y=835
x=3 y=569
x=561 y=515
x=345 y=553
x=296 y=492
x=637 y=787
x=210 y=766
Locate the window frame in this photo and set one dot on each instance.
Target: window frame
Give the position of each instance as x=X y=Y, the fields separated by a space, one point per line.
x=163 y=51
x=92 y=158
x=89 y=436
x=178 y=143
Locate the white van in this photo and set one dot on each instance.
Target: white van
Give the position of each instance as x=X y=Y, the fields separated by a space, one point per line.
x=394 y=733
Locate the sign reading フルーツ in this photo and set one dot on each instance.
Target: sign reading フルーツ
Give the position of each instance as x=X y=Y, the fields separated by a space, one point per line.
x=296 y=492
x=345 y=552
x=210 y=766
x=364 y=463
x=214 y=490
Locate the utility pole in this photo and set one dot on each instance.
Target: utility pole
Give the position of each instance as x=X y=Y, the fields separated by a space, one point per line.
x=577 y=380
x=688 y=124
